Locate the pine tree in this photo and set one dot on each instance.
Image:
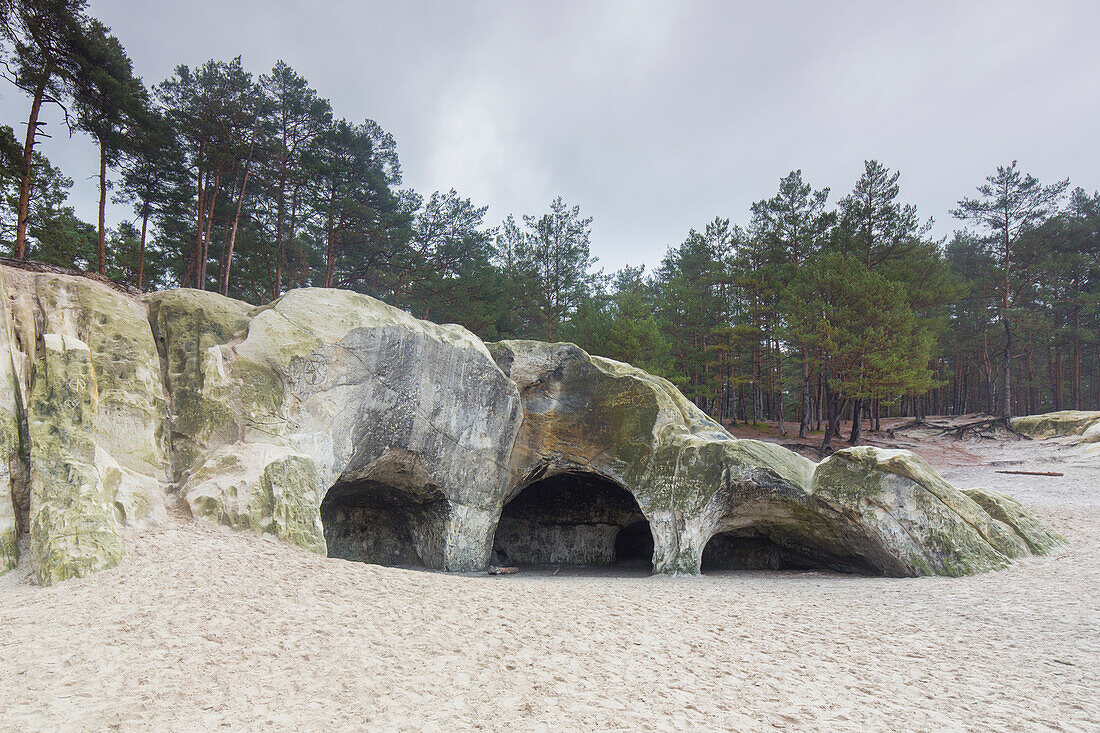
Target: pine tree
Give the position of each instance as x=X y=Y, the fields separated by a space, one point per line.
x=793 y=226
x=111 y=106
x=44 y=40
x=861 y=333
x=556 y=250
x=1010 y=206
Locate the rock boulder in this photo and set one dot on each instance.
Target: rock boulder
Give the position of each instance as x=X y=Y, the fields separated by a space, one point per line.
x=1061 y=424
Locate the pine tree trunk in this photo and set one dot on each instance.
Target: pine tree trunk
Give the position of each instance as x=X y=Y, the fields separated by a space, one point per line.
x=330 y=250
x=101 y=246
x=141 y=248
x=834 y=406
x=291 y=238
x=1006 y=406
x=1076 y=386
x=28 y=168
x=804 y=418
x=779 y=390
x=205 y=243
x=857 y=422
x=228 y=264
x=280 y=253
x=548 y=299
x=1058 y=374
x=200 y=210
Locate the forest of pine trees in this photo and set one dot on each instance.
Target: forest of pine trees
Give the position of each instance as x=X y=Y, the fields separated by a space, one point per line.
x=817 y=308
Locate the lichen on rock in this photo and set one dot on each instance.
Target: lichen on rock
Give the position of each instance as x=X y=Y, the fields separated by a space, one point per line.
x=12 y=451
x=189 y=328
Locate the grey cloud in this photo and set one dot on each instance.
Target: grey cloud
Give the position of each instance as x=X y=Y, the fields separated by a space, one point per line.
x=655 y=117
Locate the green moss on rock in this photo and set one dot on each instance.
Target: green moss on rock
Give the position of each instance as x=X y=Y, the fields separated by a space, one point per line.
x=129 y=391
x=293 y=483
x=189 y=327
x=270 y=405
x=73 y=530
x=1063 y=423
x=10 y=452
x=261 y=488
x=1012 y=513
x=931 y=526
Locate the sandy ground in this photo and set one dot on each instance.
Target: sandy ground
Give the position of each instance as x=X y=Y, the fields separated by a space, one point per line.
x=204 y=628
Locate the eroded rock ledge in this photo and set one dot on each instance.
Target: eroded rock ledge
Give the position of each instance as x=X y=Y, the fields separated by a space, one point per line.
x=346 y=426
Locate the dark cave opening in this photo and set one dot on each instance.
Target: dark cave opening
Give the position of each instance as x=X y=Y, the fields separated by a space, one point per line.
x=573 y=519
x=752 y=548
x=373 y=522
x=634 y=545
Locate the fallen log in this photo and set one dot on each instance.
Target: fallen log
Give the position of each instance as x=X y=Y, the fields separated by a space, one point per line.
x=1035 y=473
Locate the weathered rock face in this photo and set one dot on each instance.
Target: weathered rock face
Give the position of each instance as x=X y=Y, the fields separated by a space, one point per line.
x=12 y=464
x=569 y=519
x=927 y=525
x=90 y=446
x=73 y=531
x=687 y=474
x=863 y=509
x=1063 y=423
x=329 y=390
x=1012 y=513
x=342 y=425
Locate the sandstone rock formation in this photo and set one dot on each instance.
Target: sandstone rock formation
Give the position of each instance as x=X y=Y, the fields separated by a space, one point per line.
x=346 y=426
x=83 y=415
x=1061 y=424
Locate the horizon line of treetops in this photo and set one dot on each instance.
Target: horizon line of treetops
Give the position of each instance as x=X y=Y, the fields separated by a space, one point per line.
x=810 y=314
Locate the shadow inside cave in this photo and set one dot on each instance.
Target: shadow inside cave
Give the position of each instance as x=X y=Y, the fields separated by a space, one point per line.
x=574 y=519
x=373 y=522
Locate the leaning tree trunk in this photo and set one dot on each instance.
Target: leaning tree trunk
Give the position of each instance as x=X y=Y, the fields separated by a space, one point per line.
x=28 y=168
x=233 y=234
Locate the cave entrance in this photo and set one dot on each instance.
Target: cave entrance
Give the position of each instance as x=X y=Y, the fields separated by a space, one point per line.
x=756 y=548
x=574 y=519
x=373 y=522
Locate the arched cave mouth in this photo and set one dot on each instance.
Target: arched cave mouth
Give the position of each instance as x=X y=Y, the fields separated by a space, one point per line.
x=574 y=519
x=374 y=522
x=766 y=548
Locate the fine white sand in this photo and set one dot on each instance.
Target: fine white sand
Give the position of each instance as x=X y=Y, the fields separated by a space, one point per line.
x=204 y=628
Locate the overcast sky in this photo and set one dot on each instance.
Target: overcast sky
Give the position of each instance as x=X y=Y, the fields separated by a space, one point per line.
x=655 y=117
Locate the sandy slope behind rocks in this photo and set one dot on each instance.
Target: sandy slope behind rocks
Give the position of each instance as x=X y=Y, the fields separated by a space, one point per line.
x=206 y=628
